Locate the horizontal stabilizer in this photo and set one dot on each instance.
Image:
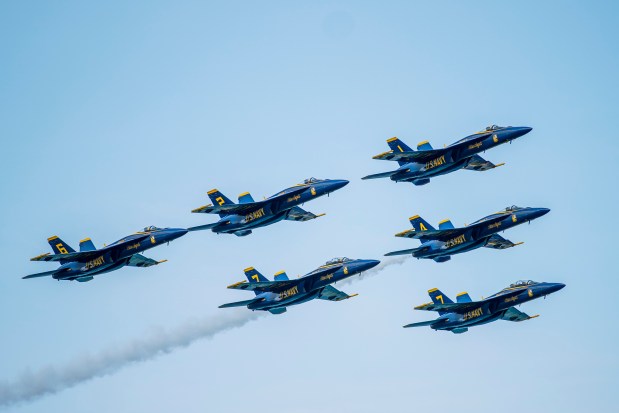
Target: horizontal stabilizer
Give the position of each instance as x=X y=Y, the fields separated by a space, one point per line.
x=439 y=320
x=40 y=274
x=240 y=303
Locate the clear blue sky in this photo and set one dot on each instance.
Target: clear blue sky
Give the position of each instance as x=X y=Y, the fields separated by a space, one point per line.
x=117 y=115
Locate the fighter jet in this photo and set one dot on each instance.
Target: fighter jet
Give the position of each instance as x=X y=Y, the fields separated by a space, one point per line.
x=426 y=162
x=239 y=219
x=441 y=244
x=82 y=266
x=458 y=317
x=275 y=296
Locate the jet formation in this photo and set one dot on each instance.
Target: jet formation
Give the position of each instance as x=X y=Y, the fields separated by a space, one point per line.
x=240 y=219
x=82 y=266
x=275 y=296
x=441 y=244
x=415 y=166
x=426 y=162
x=459 y=316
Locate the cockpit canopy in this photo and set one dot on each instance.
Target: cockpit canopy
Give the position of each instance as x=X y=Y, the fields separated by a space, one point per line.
x=512 y=208
x=492 y=128
x=151 y=228
x=522 y=283
x=311 y=180
x=339 y=260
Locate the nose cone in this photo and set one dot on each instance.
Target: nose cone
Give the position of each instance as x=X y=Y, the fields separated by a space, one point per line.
x=519 y=131
x=553 y=287
x=174 y=233
x=335 y=184
x=364 y=265
x=538 y=212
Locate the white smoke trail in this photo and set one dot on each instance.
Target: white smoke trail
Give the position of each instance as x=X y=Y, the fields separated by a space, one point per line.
x=387 y=262
x=53 y=379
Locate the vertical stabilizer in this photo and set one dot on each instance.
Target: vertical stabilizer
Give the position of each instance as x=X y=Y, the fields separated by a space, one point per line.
x=396 y=145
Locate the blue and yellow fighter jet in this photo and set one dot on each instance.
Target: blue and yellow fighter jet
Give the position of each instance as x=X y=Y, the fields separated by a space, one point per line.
x=426 y=162
x=275 y=296
x=441 y=244
x=239 y=219
x=89 y=261
x=458 y=317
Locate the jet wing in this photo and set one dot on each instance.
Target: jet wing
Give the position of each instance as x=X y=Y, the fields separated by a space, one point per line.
x=439 y=320
x=240 y=209
x=40 y=274
x=424 y=156
x=263 y=286
x=333 y=294
x=236 y=209
x=411 y=156
x=385 y=174
x=72 y=256
x=207 y=226
x=138 y=260
x=512 y=314
x=407 y=252
x=241 y=303
x=437 y=234
x=498 y=242
x=83 y=256
x=477 y=163
x=299 y=214
x=449 y=307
